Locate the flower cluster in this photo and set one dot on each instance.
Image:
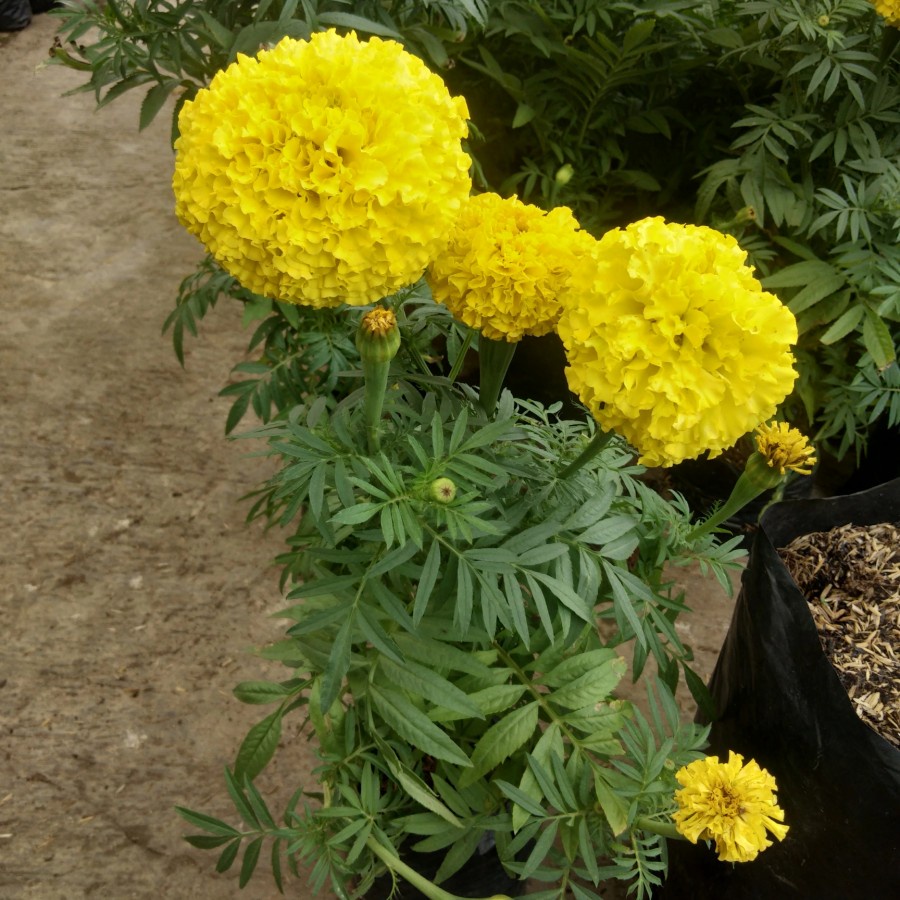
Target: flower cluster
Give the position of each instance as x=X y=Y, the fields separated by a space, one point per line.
x=324 y=171
x=507 y=269
x=672 y=342
x=785 y=448
x=889 y=10
x=731 y=803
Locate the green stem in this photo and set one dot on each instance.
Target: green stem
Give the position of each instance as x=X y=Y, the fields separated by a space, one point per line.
x=756 y=478
x=461 y=357
x=376 y=375
x=597 y=443
x=395 y=864
x=494 y=359
x=664 y=829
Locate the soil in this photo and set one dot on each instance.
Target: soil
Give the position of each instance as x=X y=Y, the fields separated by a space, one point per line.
x=132 y=588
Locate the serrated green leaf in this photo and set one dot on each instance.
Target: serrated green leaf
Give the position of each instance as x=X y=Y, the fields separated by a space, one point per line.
x=251 y=858
x=245 y=811
x=262 y=692
x=258 y=747
x=798 y=274
x=209 y=841
x=207 y=823
x=414 y=726
x=226 y=859
x=575 y=666
x=427 y=580
x=614 y=807
x=356 y=515
x=154 y=101
x=524 y=114
x=338 y=664
x=422 y=681
x=501 y=740
x=816 y=291
x=878 y=341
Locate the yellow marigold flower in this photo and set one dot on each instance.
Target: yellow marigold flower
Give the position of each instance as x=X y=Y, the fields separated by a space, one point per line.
x=325 y=171
x=731 y=803
x=785 y=448
x=889 y=10
x=672 y=342
x=507 y=266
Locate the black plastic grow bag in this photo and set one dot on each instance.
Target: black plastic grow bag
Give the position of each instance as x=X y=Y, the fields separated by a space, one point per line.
x=780 y=702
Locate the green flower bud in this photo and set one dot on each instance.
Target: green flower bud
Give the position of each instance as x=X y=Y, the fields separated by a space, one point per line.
x=378 y=337
x=378 y=340
x=823 y=20
x=564 y=174
x=442 y=490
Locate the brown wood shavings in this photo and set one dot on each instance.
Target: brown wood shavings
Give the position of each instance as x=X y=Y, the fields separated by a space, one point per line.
x=850 y=577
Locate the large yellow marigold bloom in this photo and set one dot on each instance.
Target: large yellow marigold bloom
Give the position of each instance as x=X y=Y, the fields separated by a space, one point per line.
x=507 y=266
x=730 y=803
x=672 y=342
x=890 y=10
x=325 y=171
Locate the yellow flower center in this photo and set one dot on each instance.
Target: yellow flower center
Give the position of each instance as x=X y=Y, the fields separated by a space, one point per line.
x=379 y=321
x=724 y=802
x=785 y=448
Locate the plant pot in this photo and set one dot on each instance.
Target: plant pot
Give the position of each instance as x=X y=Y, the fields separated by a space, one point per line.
x=780 y=702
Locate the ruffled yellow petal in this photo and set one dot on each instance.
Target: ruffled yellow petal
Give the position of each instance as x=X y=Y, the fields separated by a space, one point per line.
x=507 y=266
x=324 y=171
x=730 y=803
x=672 y=342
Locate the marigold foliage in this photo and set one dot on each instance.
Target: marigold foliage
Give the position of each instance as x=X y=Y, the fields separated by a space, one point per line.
x=731 y=803
x=785 y=448
x=324 y=171
x=508 y=266
x=889 y=10
x=672 y=342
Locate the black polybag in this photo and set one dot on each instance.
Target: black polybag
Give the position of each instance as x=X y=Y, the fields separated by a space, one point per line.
x=14 y=14
x=780 y=702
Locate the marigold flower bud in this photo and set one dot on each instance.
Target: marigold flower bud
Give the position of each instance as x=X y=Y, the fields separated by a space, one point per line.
x=564 y=174
x=823 y=20
x=378 y=340
x=378 y=337
x=442 y=490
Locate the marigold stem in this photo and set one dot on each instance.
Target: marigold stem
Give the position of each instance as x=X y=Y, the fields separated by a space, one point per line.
x=461 y=356
x=395 y=864
x=494 y=358
x=655 y=826
x=597 y=443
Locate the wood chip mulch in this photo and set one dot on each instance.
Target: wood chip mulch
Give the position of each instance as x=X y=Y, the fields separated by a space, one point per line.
x=850 y=577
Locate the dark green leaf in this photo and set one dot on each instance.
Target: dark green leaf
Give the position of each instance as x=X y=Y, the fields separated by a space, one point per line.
x=258 y=747
x=251 y=857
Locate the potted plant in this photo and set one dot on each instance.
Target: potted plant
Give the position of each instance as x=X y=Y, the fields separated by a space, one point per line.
x=779 y=698
x=454 y=548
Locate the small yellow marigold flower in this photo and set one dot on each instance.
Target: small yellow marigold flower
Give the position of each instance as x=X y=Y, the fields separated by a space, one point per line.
x=785 y=448
x=731 y=803
x=889 y=10
x=379 y=321
x=507 y=266
x=672 y=342
x=324 y=171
